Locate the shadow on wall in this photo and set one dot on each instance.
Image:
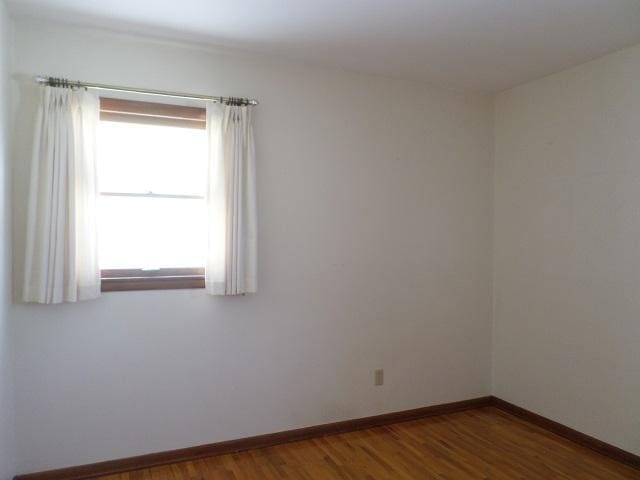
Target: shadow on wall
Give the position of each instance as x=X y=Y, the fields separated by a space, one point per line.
x=26 y=107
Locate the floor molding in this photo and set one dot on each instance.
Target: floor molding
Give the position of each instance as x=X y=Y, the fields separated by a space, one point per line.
x=110 y=467
x=82 y=472
x=574 y=435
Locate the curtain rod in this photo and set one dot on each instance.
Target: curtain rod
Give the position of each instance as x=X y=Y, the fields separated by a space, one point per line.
x=62 y=82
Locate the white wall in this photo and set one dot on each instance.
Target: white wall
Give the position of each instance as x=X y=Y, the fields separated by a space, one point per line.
x=567 y=254
x=375 y=239
x=7 y=411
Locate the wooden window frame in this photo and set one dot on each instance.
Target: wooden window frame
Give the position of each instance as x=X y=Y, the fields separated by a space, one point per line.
x=151 y=113
x=118 y=280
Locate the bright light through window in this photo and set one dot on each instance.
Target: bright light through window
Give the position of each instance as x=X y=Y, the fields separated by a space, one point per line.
x=152 y=188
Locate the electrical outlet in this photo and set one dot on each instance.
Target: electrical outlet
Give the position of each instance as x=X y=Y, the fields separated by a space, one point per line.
x=378 y=377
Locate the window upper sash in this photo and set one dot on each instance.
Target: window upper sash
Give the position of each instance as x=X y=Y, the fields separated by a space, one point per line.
x=151 y=113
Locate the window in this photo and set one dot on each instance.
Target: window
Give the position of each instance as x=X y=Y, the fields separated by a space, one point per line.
x=152 y=168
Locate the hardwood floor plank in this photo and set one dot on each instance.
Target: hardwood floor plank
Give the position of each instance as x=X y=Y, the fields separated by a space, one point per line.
x=484 y=443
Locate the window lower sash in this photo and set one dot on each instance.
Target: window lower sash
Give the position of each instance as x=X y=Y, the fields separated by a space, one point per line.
x=117 y=280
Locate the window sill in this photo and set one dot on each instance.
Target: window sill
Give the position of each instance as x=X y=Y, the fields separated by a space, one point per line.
x=163 y=279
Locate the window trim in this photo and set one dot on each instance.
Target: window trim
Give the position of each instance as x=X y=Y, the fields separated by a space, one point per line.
x=151 y=113
x=152 y=195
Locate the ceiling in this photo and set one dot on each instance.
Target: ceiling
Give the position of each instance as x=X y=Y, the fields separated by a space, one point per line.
x=481 y=45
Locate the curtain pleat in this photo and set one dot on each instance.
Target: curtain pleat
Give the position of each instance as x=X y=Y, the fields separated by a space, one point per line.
x=61 y=256
x=231 y=202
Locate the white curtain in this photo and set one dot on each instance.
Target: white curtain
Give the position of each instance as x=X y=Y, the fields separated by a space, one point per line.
x=231 y=201
x=61 y=257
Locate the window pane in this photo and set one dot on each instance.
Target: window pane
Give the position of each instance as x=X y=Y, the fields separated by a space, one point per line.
x=140 y=232
x=138 y=158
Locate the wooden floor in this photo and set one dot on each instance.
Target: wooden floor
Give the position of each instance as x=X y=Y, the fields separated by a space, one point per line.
x=477 y=444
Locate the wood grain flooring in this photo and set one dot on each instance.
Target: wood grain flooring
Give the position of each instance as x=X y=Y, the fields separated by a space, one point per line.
x=484 y=443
